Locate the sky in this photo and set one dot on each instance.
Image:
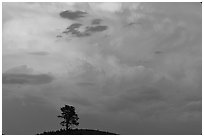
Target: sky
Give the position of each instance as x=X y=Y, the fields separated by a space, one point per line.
x=127 y=68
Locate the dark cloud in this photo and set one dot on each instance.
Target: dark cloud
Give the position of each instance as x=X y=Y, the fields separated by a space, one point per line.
x=72 y=14
x=74 y=26
x=73 y=29
x=40 y=53
x=26 y=78
x=77 y=33
x=96 y=21
x=96 y=28
x=84 y=34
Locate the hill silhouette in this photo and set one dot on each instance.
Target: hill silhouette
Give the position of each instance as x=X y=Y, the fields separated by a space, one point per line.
x=77 y=132
x=69 y=120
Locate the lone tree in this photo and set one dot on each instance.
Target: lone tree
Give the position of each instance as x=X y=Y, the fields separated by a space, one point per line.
x=70 y=117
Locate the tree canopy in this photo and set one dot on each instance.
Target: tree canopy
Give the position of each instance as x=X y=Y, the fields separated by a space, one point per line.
x=69 y=116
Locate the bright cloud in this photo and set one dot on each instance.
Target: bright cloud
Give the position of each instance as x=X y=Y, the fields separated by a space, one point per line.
x=106 y=6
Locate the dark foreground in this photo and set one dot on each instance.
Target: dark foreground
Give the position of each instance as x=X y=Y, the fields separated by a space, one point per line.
x=77 y=132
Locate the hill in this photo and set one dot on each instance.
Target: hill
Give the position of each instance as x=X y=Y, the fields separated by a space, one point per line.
x=77 y=132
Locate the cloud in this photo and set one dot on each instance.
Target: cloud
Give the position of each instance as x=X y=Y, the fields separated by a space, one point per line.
x=96 y=21
x=132 y=99
x=193 y=98
x=106 y=6
x=74 y=26
x=25 y=75
x=23 y=69
x=145 y=95
x=39 y=53
x=21 y=32
x=96 y=28
x=72 y=14
x=74 y=30
x=195 y=106
x=26 y=78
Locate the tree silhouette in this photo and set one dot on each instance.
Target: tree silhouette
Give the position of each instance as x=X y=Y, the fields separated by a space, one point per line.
x=70 y=117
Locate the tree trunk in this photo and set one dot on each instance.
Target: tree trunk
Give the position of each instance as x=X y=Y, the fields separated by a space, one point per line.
x=67 y=127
